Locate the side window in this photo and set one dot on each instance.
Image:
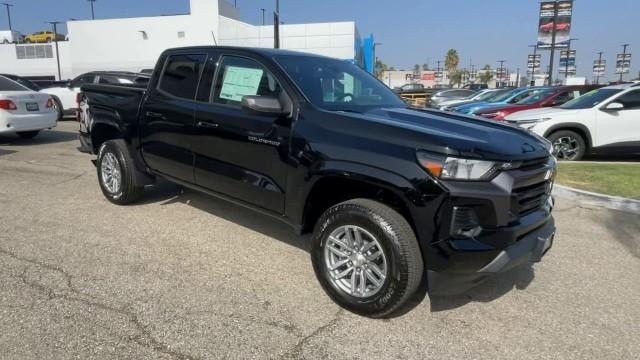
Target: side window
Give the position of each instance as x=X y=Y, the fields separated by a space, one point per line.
x=630 y=100
x=181 y=75
x=521 y=96
x=238 y=77
x=563 y=97
x=113 y=80
x=82 y=80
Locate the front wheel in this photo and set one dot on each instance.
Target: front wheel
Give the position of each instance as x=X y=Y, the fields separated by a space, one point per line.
x=28 y=134
x=568 y=145
x=366 y=257
x=116 y=172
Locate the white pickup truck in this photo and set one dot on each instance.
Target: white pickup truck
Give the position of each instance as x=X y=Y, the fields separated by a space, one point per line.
x=11 y=37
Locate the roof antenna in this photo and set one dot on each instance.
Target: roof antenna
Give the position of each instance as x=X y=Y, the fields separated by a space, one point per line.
x=215 y=42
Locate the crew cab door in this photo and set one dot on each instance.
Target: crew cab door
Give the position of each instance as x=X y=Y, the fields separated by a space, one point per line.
x=238 y=153
x=619 y=130
x=167 y=116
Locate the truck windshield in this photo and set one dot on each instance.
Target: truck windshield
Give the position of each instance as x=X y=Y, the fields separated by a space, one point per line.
x=590 y=99
x=337 y=85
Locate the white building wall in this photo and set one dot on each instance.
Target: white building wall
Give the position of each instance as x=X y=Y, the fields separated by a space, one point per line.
x=133 y=44
x=330 y=39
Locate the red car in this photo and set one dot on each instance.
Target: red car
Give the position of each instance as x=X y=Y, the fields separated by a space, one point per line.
x=553 y=96
x=559 y=27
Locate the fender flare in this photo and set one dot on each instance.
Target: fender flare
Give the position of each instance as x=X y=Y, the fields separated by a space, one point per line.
x=570 y=126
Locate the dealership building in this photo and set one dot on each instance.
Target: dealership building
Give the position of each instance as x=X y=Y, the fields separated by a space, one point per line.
x=134 y=44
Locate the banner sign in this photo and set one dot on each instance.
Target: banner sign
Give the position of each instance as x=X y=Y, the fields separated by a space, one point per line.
x=533 y=62
x=623 y=63
x=548 y=11
x=599 y=67
x=567 y=62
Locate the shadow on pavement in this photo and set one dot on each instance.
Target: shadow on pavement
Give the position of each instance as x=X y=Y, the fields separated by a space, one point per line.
x=624 y=227
x=518 y=278
x=167 y=193
x=43 y=138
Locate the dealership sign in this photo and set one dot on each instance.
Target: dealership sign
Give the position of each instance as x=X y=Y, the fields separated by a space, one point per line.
x=533 y=62
x=623 y=63
x=549 y=22
x=567 y=62
x=599 y=67
x=501 y=73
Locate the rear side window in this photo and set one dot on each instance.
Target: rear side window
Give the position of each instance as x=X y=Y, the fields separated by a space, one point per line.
x=9 y=85
x=83 y=80
x=108 y=79
x=181 y=75
x=238 y=77
x=630 y=100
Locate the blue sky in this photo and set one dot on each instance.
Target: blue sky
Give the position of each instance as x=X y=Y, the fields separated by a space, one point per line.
x=412 y=31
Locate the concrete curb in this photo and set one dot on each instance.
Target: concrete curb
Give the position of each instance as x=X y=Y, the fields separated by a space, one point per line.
x=595 y=199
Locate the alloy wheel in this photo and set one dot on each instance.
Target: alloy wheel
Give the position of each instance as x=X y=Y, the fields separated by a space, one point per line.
x=111 y=174
x=566 y=148
x=355 y=261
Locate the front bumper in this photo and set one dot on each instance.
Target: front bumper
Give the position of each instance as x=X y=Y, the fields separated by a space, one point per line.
x=529 y=249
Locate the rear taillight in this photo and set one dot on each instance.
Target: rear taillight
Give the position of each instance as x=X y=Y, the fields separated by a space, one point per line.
x=8 y=105
x=50 y=103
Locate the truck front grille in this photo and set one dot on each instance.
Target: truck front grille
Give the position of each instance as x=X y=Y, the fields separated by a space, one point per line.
x=530 y=198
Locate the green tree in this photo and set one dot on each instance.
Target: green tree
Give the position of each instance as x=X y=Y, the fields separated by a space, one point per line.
x=416 y=68
x=452 y=60
x=380 y=68
x=486 y=75
x=425 y=66
x=458 y=76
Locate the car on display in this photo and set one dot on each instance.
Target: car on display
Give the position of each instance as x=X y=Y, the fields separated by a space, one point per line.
x=24 y=112
x=22 y=81
x=510 y=97
x=65 y=96
x=449 y=94
x=390 y=192
x=10 y=37
x=482 y=95
x=603 y=121
x=554 y=96
x=43 y=37
x=476 y=86
x=408 y=88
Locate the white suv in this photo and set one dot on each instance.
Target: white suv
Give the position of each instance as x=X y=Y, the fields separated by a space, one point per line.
x=603 y=121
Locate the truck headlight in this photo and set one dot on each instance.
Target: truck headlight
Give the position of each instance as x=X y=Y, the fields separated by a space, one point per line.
x=452 y=168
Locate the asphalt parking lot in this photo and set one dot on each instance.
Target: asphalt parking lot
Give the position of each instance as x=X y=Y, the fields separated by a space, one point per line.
x=182 y=275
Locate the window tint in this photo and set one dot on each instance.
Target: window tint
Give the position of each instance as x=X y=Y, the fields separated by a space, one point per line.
x=238 y=77
x=82 y=80
x=9 y=85
x=181 y=75
x=523 y=95
x=630 y=100
x=590 y=99
x=564 y=97
x=109 y=79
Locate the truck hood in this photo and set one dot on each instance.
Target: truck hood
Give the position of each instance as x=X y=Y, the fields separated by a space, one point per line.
x=457 y=135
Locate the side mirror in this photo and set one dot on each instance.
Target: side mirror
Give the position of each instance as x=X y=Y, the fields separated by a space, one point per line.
x=614 y=106
x=265 y=105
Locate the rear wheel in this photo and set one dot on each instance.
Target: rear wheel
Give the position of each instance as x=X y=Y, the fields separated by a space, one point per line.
x=116 y=172
x=366 y=257
x=28 y=134
x=58 y=107
x=568 y=145
x=5 y=41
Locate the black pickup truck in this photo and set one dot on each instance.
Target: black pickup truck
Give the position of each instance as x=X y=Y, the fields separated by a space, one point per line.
x=393 y=195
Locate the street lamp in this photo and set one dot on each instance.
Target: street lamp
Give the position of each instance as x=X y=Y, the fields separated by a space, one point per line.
x=8 y=6
x=93 y=14
x=624 y=54
x=533 y=65
x=501 y=70
x=276 y=26
x=55 y=39
x=566 y=64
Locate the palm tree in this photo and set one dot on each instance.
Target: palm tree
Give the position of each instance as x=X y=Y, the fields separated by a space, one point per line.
x=487 y=74
x=457 y=77
x=425 y=67
x=452 y=60
x=380 y=68
x=416 y=68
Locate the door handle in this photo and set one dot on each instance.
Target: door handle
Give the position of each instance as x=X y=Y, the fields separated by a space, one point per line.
x=155 y=115
x=207 y=125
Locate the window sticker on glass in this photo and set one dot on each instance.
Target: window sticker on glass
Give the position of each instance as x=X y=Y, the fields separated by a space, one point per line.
x=239 y=81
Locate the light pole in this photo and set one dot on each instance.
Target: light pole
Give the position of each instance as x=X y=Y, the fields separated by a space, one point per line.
x=553 y=42
x=263 y=11
x=501 y=70
x=8 y=6
x=624 y=54
x=55 y=39
x=438 y=73
x=93 y=14
x=533 y=64
x=276 y=26
x=566 y=64
x=597 y=72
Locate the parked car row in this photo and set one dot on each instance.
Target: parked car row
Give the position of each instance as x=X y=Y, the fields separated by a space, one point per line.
x=578 y=120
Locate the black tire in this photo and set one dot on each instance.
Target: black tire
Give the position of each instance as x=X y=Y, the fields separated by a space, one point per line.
x=126 y=192
x=398 y=241
x=568 y=145
x=28 y=134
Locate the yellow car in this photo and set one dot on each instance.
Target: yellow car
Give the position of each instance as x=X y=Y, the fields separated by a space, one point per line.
x=43 y=37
